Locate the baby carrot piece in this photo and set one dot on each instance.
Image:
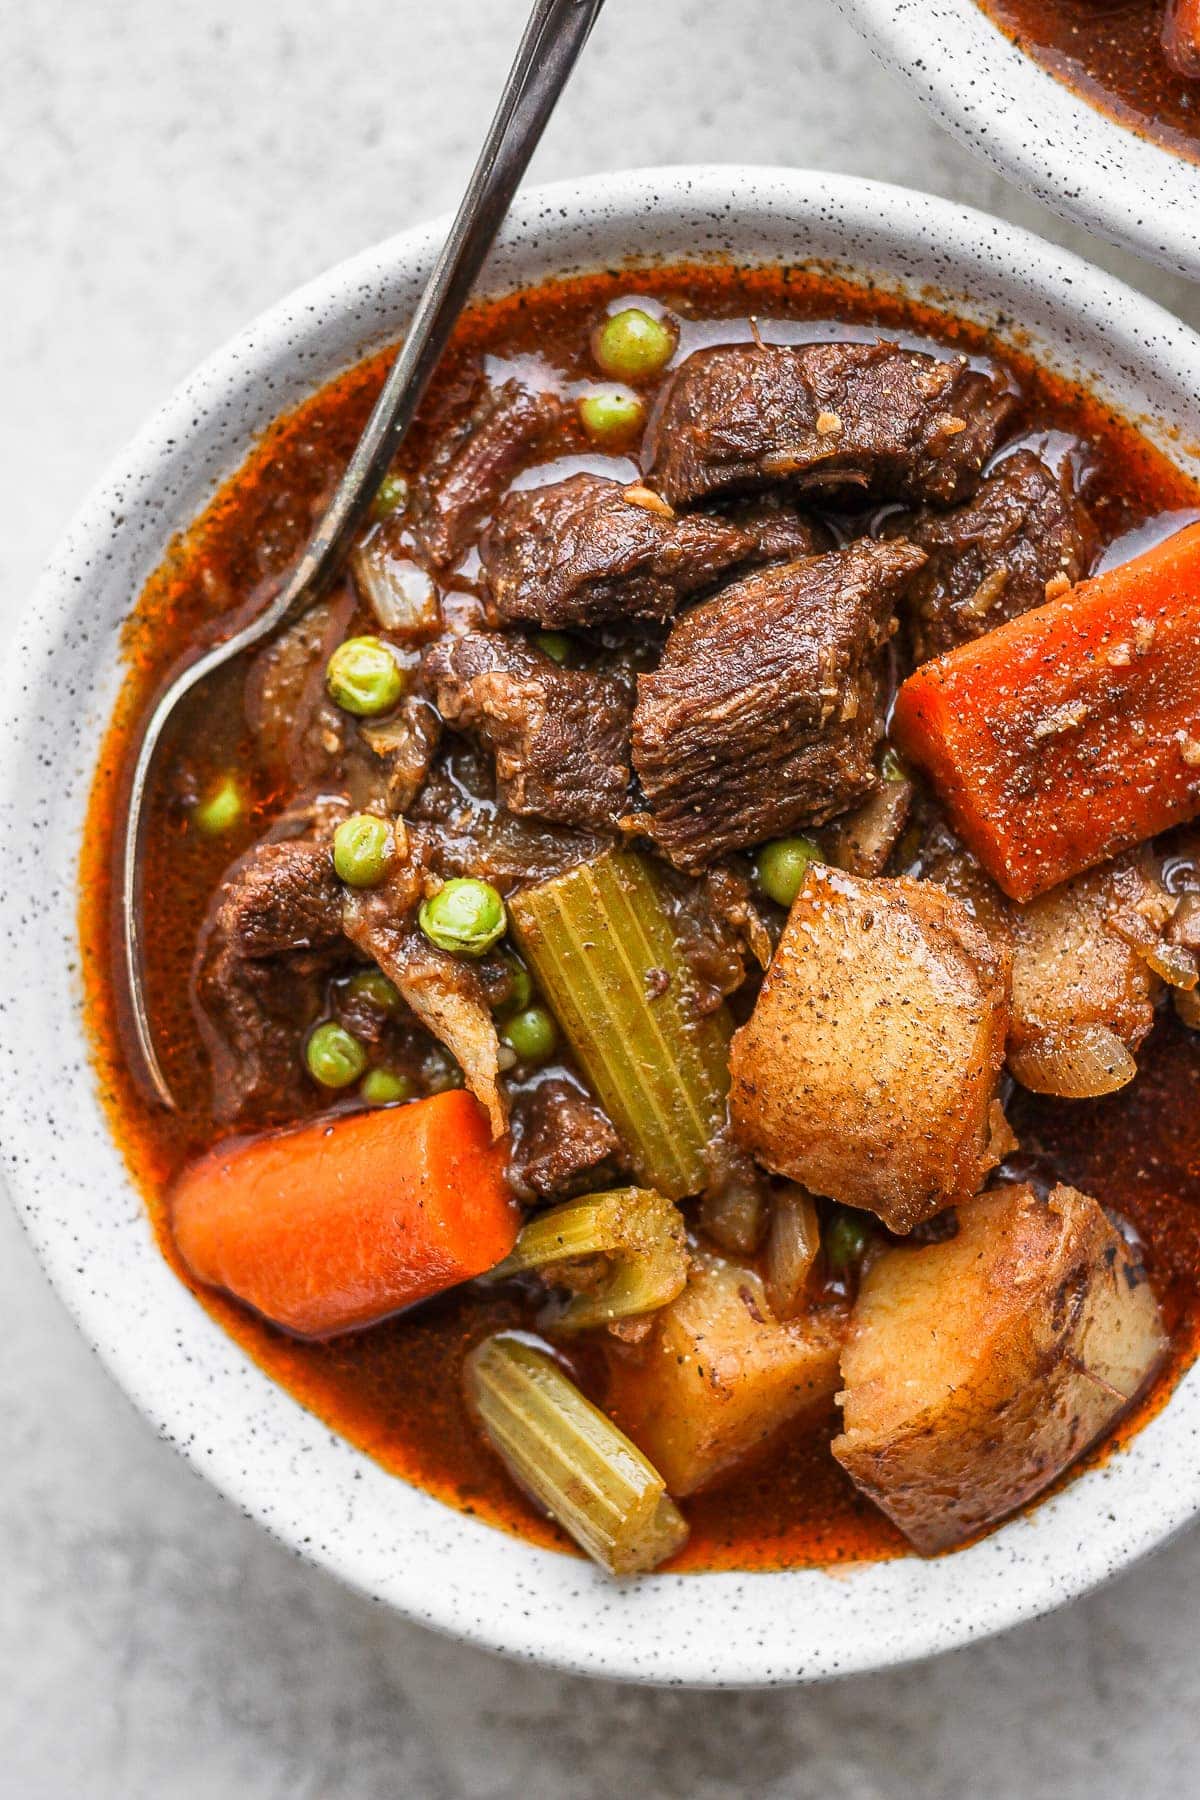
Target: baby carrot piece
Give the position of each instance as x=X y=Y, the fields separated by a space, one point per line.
x=1071 y=732
x=343 y=1221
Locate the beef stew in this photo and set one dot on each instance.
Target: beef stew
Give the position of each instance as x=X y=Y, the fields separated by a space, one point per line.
x=464 y=899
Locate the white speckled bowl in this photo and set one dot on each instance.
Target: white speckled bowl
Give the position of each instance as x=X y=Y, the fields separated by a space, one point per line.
x=1037 y=131
x=277 y=1462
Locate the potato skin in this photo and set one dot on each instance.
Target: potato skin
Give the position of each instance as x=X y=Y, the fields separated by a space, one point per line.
x=976 y=1370
x=719 y=1377
x=870 y=1065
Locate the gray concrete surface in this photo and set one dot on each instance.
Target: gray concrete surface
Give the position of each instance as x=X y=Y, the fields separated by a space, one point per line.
x=164 y=173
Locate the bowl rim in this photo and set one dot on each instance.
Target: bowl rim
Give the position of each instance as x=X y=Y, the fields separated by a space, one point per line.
x=1036 y=130
x=323 y=1499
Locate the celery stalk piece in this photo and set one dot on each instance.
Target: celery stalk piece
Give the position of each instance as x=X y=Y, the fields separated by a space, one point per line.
x=641 y=1233
x=603 y=948
x=570 y=1458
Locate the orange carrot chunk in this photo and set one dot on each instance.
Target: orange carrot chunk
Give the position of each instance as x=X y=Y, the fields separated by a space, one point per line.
x=343 y=1221
x=1073 y=731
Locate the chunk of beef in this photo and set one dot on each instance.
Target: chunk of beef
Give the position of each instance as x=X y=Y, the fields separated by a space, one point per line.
x=764 y=711
x=560 y=736
x=405 y=745
x=561 y=1140
x=780 y=533
x=444 y=991
x=471 y=835
x=719 y=927
x=581 y=552
x=888 y=422
x=470 y=469
x=1025 y=536
x=300 y=734
x=272 y=934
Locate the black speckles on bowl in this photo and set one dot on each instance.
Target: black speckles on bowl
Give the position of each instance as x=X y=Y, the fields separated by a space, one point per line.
x=274 y=1460
x=1037 y=131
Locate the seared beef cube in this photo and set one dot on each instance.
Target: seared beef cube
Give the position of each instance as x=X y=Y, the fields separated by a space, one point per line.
x=272 y=935
x=1024 y=537
x=891 y=423
x=579 y=552
x=560 y=736
x=471 y=835
x=764 y=711
x=473 y=468
x=780 y=533
x=560 y=1140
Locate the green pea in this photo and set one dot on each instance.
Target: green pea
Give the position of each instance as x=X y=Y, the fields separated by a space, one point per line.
x=221 y=809
x=390 y=496
x=846 y=1238
x=891 y=768
x=520 y=987
x=611 y=414
x=465 y=916
x=780 y=867
x=364 y=677
x=362 y=850
x=532 y=1034
x=333 y=1056
x=554 y=644
x=385 y=1087
x=373 y=986
x=632 y=345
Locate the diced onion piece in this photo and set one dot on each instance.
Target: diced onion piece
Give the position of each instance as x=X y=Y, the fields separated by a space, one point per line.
x=734 y=1216
x=570 y=1458
x=792 y=1245
x=640 y=1233
x=1076 y=1064
x=1173 y=964
x=401 y=594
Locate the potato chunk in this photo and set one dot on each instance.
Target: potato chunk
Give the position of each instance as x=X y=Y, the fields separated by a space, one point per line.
x=978 y=1368
x=870 y=1065
x=719 y=1376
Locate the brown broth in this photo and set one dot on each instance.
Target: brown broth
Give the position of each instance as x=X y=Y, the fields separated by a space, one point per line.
x=395 y=1390
x=1110 y=51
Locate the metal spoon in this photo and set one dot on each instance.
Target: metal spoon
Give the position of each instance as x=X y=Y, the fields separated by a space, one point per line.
x=554 y=36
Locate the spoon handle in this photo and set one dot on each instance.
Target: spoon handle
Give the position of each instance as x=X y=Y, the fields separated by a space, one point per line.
x=554 y=36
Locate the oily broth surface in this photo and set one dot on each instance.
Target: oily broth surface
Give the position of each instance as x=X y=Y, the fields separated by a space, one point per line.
x=1110 y=52
x=395 y=1390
